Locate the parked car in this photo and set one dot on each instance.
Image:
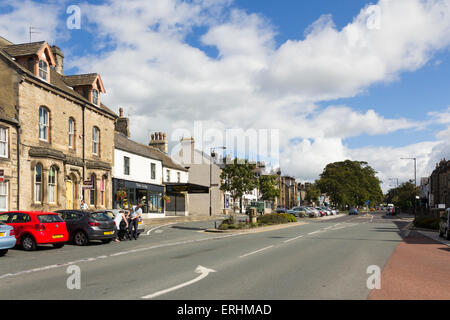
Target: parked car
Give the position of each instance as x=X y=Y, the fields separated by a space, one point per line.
x=298 y=212
x=113 y=213
x=327 y=211
x=321 y=211
x=85 y=226
x=281 y=209
x=353 y=211
x=444 y=223
x=314 y=212
x=32 y=228
x=7 y=238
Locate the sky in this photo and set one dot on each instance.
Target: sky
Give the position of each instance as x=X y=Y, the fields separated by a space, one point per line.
x=335 y=79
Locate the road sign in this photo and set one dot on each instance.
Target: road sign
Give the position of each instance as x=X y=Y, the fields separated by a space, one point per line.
x=367 y=201
x=2 y=175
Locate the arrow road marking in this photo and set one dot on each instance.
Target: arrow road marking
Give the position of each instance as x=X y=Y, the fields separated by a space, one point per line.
x=203 y=274
x=164 y=225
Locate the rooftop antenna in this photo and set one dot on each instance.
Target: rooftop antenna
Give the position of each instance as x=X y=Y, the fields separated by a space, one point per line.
x=32 y=31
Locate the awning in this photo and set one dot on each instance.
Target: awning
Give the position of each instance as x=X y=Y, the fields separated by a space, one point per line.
x=186 y=187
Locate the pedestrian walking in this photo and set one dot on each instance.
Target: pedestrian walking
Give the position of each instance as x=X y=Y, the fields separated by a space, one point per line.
x=84 y=205
x=118 y=220
x=135 y=214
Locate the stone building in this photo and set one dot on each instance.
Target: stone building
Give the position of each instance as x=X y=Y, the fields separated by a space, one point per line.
x=440 y=185
x=288 y=192
x=66 y=135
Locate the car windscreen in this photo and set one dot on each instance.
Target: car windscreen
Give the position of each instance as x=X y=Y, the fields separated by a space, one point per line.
x=49 y=218
x=100 y=216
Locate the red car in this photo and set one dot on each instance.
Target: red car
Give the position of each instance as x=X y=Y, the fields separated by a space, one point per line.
x=33 y=228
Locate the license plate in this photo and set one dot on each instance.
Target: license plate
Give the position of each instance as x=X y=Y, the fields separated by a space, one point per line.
x=2 y=234
x=58 y=236
x=108 y=233
x=140 y=223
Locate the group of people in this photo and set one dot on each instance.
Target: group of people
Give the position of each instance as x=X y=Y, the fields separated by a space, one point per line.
x=127 y=221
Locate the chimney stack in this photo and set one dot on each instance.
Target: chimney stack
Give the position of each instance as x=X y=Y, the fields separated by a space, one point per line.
x=59 y=57
x=122 y=124
x=159 y=141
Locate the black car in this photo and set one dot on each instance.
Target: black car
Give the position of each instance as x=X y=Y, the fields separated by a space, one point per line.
x=85 y=226
x=444 y=230
x=281 y=209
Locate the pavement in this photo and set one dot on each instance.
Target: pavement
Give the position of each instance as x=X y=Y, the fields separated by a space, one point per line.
x=323 y=259
x=418 y=269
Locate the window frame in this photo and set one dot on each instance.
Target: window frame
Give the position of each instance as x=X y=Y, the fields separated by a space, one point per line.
x=152 y=171
x=167 y=175
x=6 y=142
x=93 y=191
x=71 y=133
x=38 y=183
x=126 y=168
x=95 y=96
x=45 y=125
x=95 y=141
x=6 y=195
x=102 y=192
x=44 y=71
x=52 y=186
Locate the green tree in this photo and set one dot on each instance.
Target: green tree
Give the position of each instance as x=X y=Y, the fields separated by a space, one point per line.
x=238 y=178
x=312 y=194
x=403 y=196
x=350 y=183
x=268 y=186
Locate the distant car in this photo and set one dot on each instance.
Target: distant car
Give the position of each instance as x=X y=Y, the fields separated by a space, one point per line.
x=353 y=211
x=316 y=213
x=85 y=226
x=321 y=211
x=7 y=238
x=141 y=225
x=444 y=223
x=32 y=228
x=297 y=211
x=281 y=209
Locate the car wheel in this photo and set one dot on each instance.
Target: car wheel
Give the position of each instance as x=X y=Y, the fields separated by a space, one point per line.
x=105 y=241
x=3 y=252
x=80 y=238
x=58 y=245
x=28 y=243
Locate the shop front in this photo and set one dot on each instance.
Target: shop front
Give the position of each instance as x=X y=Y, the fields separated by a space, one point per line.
x=130 y=193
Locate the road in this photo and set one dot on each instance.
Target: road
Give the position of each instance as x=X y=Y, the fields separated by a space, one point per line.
x=318 y=260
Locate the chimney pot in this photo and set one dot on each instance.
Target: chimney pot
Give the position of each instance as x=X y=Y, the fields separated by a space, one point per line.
x=121 y=112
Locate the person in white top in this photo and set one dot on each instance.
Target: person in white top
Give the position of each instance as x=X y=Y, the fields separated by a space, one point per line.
x=117 y=220
x=84 y=205
x=135 y=214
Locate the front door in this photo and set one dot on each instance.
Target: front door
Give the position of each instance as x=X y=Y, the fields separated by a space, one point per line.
x=69 y=195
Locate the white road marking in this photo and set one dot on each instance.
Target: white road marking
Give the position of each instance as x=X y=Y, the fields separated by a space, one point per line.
x=253 y=252
x=61 y=265
x=315 y=232
x=164 y=225
x=301 y=236
x=203 y=274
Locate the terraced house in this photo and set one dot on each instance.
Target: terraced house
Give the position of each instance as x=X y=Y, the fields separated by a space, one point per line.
x=56 y=136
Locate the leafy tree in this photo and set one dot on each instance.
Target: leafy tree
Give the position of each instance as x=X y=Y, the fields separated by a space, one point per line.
x=403 y=196
x=350 y=183
x=238 y=178
x=268 y=186
x=312 y=194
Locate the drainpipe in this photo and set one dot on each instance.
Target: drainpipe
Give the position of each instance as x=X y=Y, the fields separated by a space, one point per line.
x=84 y=159
x=18 y=165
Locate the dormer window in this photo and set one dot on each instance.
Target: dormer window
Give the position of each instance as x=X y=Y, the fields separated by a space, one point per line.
x=43 y=70
x=95 y=96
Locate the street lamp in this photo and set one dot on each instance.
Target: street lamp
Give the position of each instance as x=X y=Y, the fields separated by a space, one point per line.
x=415 y=180
x=213 y=155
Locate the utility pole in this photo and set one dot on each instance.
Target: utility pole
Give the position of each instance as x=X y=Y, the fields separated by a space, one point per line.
x=415 y=180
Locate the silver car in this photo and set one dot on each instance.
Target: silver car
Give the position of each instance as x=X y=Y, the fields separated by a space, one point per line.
x=7 y=238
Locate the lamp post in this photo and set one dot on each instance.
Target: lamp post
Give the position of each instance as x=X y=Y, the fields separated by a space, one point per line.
x=213 y=155
x=415 y=180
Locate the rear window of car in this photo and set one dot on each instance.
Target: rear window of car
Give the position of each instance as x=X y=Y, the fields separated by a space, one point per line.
x=100 y=216
x=49 y=218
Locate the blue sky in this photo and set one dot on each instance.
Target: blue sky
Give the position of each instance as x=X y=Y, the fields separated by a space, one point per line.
x=314 y=70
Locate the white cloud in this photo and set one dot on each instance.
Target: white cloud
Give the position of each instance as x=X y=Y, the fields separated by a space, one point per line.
x=165 y=84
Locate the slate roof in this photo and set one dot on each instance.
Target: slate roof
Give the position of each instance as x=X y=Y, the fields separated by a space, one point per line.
x=80 y=79
x=122 y=142
x=57 y=81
